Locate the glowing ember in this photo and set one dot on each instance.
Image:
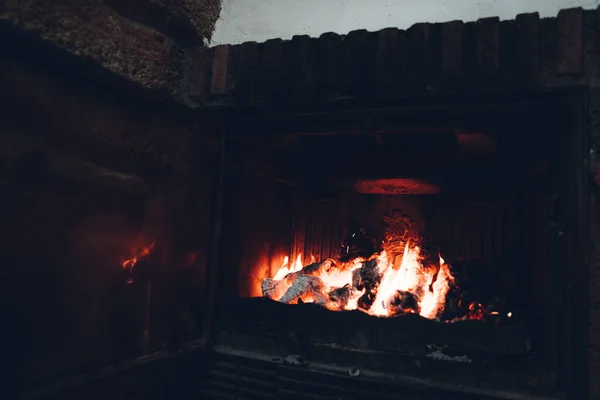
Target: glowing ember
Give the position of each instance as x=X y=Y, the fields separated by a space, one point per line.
x=373 y=285
x=130 y=263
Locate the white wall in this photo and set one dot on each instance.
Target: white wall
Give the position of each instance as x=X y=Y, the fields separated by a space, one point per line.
x=260 y=20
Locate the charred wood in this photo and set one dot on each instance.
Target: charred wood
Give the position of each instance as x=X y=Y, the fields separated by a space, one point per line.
x=305 y=287
x=302 y=285
x=275 y=289
x=403 y=303
x=470 y=292
x=367 y=278
x=341 y=297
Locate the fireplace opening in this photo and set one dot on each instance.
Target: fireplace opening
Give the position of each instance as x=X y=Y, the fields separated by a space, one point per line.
x=425 y=241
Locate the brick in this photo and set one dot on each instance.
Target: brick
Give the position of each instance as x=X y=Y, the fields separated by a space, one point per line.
x=233 y=62
x=547 y=43
x=269 y=69
x=330 y=58
x=527 y=44
x=425 y=52
x=360 y=54
x=197 y=71
x=418 y=44
x=387 y=56
x=508 y=50
x=570 y=42
x=469 y=48
x=246 y=72
x=488 y=45
x=218 y=83
x=296 y=67
x=435 y=50
x=402 y=54
x=452 y=47
x=392 y=58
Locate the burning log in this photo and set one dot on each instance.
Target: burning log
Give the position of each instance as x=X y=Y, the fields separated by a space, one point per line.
x=430 y=254
x=403 y=302
x=273 y=289
x=320 y=267
x=419 y=282
x=341 y=298
x=306 y=288
x=367 y=278
x=308 y=285
x=302 y=285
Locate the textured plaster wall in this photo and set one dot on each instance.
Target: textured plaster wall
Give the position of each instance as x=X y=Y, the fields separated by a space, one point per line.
x=260 y=20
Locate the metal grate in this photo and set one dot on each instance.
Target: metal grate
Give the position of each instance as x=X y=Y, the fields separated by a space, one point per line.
x=240 y=379
x=245 y=378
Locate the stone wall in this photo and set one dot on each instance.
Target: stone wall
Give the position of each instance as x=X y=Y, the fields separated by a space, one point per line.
x=142 y=40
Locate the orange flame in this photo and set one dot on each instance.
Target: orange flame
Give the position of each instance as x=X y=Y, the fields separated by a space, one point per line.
x=130 y=263
x=288 y=269
x=412 y=277
x=428 y=285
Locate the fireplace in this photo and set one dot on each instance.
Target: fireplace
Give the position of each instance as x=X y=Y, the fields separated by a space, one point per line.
x=403 y=209
x=396 y=214
x=428 y=246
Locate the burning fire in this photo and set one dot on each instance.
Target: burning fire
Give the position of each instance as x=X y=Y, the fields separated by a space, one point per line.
x=374 y=285
x=129 y=264
x=288 y=269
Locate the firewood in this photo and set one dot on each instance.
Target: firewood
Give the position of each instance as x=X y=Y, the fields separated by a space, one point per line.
x=369 y=280
x=275 y=289
x=306 y=287
x=341 y=296
x=402 y=303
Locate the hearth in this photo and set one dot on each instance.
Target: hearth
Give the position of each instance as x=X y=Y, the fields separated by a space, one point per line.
x=418 y=240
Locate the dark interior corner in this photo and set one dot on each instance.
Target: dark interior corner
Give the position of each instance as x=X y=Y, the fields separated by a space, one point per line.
x=391 y=215
x=98 y=211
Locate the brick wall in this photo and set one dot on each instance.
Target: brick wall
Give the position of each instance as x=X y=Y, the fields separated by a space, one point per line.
x=393 y=63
